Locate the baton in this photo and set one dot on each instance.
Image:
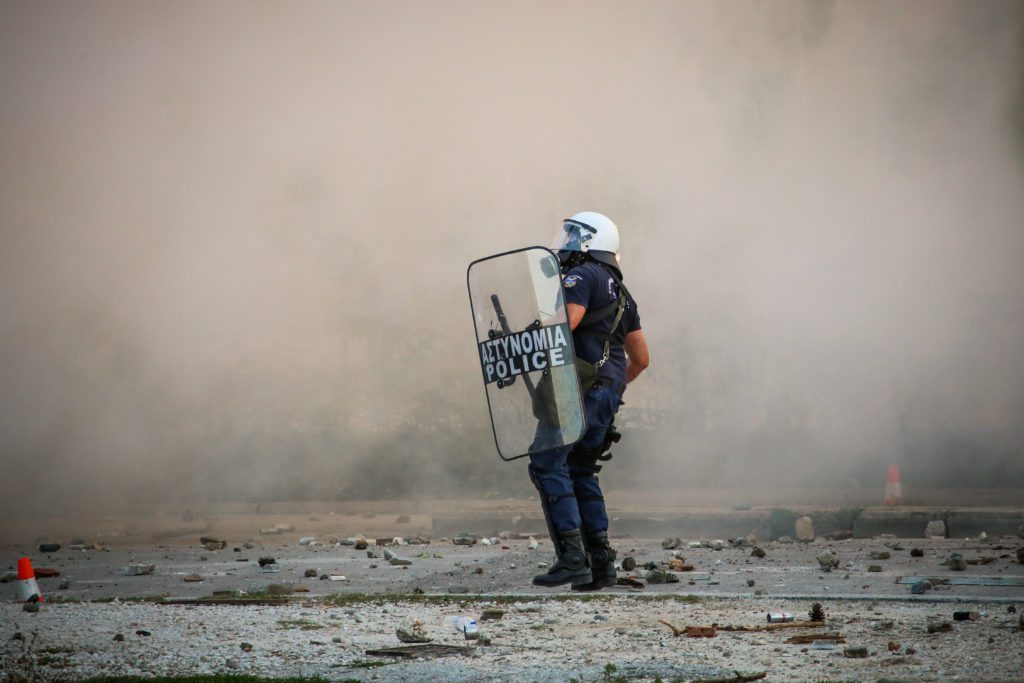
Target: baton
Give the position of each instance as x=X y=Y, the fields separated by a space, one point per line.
x=506 y=330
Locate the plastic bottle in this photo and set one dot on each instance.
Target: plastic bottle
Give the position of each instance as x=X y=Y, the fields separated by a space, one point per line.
x=468 y=627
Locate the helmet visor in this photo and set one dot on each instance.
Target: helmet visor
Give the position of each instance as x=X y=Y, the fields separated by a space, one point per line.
x=572 y=236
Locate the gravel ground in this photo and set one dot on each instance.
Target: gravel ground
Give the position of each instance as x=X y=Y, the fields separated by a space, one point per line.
x=328 y=626
x=546 y=640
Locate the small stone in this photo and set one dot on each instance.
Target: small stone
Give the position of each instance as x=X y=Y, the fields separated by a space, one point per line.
x=371 y=555
x=916 y=552
x=18 y=635
x=758 y=553
x=458 y=590
x=307 y=540
x=139 y=569
x=956 y=562
x=49 y=547
x=413 y=632
x=310 y=573
x=361 y=544
x=211 y=543
x=246 y=647
x=828 y=560
x=856 y=652
x=911 y=651
x=935 y=529
x=395 y=560
x=336 y=639
x=264 y=561
x=464 y=539
x=656 y=576
x=671 y=543
x=880 y=555
x=119 y=638
x=804 y=529
x=874 y=568
x=533 y=544
x=31 y=607
x=750 y=583
x=192 y=578
x=940 y=627
x=143 y=632
x=785 y=539
x=64 y=585
x=492 y=614
x=628 y=563
x=232 y=663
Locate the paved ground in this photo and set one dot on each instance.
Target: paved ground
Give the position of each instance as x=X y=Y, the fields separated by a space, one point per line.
x=327 y=626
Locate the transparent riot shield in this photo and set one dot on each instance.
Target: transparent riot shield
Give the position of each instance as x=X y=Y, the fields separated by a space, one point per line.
x=525 y=351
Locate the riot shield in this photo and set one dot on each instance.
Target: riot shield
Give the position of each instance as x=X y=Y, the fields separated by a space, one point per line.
x=526 y=352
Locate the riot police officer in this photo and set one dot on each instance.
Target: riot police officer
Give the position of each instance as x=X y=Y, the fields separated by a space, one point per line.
x=611 y=352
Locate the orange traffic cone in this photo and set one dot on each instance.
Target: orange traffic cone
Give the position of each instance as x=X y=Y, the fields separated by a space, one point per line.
x=28 y=589
x=893 y=488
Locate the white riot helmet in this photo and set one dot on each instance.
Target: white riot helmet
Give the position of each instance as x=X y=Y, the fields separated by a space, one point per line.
x=591 y=233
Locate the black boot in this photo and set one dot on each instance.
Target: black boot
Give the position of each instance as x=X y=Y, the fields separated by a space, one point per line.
x=602 y=563
x=571 y=565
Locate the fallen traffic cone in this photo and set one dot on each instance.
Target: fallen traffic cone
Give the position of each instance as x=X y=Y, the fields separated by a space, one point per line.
x=28 y=589
x=893 y=488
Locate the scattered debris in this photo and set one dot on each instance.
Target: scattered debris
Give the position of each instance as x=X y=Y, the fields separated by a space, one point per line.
x=874 y=568
x=966 y=616
x=143 y=632
x=49 y=547
x=192 y=578
x=629 y=581
x=492 y=614
x=842 y=535
x=671 y=543
x=916 y=552
x=935 y=529
x=880 y=555
x=119 y=638
x=921 y=587
x=311 y=573
x=940 y=627
x=246 y=647
x=307 y=540
x=856 y=652
x=894 y=646
x=46 y=572
x=758 y=553
x=533 y=544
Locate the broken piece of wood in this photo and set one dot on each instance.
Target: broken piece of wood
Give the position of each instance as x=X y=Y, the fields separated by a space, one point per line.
x=775 y=627
x=807 y=639
x=737 y=678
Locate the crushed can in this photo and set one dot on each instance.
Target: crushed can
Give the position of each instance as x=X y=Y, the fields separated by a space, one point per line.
x=780 y=617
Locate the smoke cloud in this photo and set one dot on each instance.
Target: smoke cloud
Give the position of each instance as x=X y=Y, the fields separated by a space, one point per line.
x=233 y=238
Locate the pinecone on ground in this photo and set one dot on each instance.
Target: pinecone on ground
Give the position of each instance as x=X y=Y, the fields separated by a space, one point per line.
x=817 y=613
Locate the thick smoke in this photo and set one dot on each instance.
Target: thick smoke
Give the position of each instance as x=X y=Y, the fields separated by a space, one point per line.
x=234 y=238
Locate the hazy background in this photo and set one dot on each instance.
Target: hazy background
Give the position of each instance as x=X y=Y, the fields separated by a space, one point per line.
x=233 y=239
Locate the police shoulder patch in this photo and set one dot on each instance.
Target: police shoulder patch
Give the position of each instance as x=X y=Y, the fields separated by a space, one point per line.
x=571 y=280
